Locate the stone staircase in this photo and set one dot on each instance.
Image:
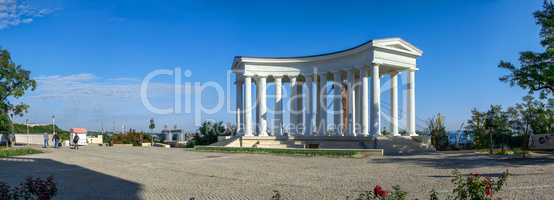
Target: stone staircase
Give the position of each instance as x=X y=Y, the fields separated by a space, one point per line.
x=404 y=145
x=392 y=145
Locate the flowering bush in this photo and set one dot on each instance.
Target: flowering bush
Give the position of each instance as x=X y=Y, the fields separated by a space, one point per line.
x=31 y=188
x=379 y=193
x=477 y=187
x=472 y=187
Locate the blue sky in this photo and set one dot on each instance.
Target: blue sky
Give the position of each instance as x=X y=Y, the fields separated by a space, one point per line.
x=90 y=56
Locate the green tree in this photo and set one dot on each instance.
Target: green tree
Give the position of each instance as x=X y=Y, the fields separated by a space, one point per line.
x=14 y=82
x=476 y=128
x=536 y=70
x=498 y=126
x=437 y=130
x=207 y=133
x=536 y=116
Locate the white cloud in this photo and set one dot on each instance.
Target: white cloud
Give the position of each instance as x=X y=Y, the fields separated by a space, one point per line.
x=13 y=13
x=91 y=101
x=90 y=86
x=81 y=85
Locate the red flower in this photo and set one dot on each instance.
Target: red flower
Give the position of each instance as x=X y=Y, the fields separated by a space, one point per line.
x=378 y=190
x=488 y=190
x=488 y=187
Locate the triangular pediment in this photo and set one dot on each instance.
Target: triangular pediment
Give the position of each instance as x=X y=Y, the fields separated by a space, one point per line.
x=397 y=44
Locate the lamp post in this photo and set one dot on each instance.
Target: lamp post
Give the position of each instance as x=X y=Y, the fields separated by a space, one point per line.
x=11 y=137
x=28 y=139
x=54 y=127
x=53 y=124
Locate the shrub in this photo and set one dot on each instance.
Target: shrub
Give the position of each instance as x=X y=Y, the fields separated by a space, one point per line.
x=437 y=129
x=378 y=193
x=31 y=188
x=135 y=138
x=276 y=195
x=472 y=187
x=9 y=152
x=476 y=187
x=208 y=132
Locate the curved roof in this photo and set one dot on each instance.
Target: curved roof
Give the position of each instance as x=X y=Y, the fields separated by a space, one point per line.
x=393 y=44
x=308 y=56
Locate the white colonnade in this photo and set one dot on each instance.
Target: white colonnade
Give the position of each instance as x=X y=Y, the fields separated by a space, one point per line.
x=311 y=100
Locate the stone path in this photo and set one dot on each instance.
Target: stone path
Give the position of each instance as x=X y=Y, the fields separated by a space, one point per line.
x=158 y=173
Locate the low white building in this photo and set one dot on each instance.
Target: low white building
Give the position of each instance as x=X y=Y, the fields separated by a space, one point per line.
x=81 y=132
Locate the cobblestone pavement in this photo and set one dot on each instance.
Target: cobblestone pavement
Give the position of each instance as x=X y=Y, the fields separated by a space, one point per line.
x=158 y=173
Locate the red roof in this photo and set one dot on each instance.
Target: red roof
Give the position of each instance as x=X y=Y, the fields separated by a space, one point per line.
x=78 y=130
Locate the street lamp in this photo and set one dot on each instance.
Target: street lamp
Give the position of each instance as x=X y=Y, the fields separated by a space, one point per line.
x=28 y=139
x=53 y=124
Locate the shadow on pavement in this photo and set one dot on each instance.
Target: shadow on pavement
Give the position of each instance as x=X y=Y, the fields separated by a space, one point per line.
x=73 y=182
x=464 y=161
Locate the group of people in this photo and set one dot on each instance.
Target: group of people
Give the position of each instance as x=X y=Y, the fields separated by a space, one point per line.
x=9 y=139
x=56 y=139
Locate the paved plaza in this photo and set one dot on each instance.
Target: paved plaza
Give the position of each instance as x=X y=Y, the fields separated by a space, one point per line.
x=158 y=173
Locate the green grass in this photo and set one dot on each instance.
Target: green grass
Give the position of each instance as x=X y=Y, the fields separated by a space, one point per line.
x=349 y=153
x=9 y=152
x=505 y=152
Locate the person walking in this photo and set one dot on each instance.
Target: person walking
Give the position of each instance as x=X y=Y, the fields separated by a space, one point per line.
x=56 y=140
x=11 y=139
x=76 y=142
x=45 y=137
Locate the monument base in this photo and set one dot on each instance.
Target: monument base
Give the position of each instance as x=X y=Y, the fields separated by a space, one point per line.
x=392 y=145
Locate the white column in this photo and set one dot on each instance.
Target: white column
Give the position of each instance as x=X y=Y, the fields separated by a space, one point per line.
x=351 y=103
x=278 y=115
x=365 y=103
x=376 y=101
x=322 y=105
x=411 y=103
x=308 y=102
x=239 y=104
x=394 y=102
x=358 y=104
x=337 y=102
x=317 y=109
x=293 y=107
x=299 y=108
x=248 y=106
x=262 y=105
